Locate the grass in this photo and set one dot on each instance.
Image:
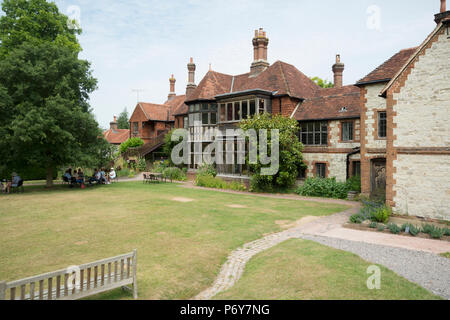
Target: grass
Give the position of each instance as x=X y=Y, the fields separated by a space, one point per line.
x=446 y=255
x=305 y=270
x=181 y=246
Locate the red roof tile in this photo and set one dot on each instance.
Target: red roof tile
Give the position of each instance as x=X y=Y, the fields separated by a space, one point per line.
x=280 y=78
x=177 y=106
x=332 y=103
x=388 y=69
x=118 y=136
x=156 y=112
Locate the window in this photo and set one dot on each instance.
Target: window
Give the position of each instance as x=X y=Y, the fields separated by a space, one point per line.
x=382 y=125
x=321 y=170
x=356 y=168
x=237 y=111
x=205 y=118
x=185 y=122
x=314 y=133
x=223 y=112
x=262 y=107
x=229 y=112
x=135 y=128
x=213 y=118
x=244 y=110
x=252 y=107
x=347 y=131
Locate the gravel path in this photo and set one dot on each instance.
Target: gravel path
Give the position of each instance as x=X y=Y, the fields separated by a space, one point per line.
x=426 y=269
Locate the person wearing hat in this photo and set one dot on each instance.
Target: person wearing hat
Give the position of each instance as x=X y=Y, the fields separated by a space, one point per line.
x=14 y=183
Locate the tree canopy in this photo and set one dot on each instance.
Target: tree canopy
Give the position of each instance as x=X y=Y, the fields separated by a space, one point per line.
x=122 y=121
x=323 y=83
x=45 y=117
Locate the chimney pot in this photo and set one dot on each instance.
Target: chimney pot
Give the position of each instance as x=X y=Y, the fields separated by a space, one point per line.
x=191 y=86
x=443 y=6
x=260 y=44
x=338 y=70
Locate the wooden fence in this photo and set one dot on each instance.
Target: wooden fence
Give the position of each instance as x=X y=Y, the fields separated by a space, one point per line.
x=76 y=282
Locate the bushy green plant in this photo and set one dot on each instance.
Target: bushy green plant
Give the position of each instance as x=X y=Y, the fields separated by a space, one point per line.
x=437 y=233
x=236 y=186
x=373 y=225
x=290 y=151
x=134 y=142
x=382 y=214
x=124 y=172
x=381 y=227
x=326 y=188
x=414 y=231
x=428 y=228
x=159 y=167
x=208 y=181
x=356 y=218
x=395 y=229
x=207 y=169
x=447 y=232
x=174 y=174
x=142 y=164
x=354 y=184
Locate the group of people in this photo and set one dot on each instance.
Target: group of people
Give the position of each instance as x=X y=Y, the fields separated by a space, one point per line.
x=99 y=176
x=14 y=183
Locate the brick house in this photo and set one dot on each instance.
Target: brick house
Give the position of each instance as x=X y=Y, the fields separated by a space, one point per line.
x=114 y=135
x=151 y=122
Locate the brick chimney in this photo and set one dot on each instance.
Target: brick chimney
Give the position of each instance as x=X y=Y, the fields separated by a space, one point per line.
x=443 y=14
x=172 y=93
x=260 y=44
x=191 y=86
x=113 y=125
x=338 y=70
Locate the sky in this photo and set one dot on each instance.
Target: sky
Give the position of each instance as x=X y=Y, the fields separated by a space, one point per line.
x=138 y=45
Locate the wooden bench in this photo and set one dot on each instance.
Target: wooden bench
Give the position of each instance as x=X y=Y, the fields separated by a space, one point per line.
x=76 y=282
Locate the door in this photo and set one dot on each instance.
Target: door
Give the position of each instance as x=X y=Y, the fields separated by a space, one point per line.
x=378 y=179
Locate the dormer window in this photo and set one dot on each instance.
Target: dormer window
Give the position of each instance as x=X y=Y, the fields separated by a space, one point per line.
x=343 y=109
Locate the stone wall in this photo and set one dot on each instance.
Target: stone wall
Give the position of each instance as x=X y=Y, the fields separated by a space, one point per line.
x=336 y=164
x=422 y=186
x=419 y=117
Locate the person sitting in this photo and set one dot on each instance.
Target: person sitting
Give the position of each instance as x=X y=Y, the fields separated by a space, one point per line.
x=80 y=177
x=112 y=175
x=94 y=177
x=14 y=183
x=102 y=176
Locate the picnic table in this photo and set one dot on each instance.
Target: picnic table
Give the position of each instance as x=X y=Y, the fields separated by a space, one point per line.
x=153 y=177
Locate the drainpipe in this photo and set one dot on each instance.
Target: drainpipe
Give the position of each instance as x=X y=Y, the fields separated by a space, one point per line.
x=357 y=150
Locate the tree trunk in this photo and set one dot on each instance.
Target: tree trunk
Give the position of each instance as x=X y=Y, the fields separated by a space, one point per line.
x=49 y=178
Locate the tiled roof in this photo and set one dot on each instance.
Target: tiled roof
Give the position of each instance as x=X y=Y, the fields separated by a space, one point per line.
x=388 y=69
x=156 y=112
x=280 y=78
x=116 y=136
x=332 y=103
x=177 y=106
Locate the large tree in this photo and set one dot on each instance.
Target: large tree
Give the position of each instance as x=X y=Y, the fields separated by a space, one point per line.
x=45 y=117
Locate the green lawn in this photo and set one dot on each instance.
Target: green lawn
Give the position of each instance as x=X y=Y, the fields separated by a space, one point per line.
x=305 y=270
x=181 y=246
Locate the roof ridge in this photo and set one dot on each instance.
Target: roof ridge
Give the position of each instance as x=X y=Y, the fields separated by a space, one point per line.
x=284 y=79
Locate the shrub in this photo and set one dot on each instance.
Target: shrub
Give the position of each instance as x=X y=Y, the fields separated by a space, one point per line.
x=142 y=164
x=428 y=228
x=356 y=218
x=174 y=173
x=326 y=188
x=159 y=167
x=395 y=229
x=447 y=232
x=236 y=186
x=354 y=184
x=373 y=225
x=437 y=233
x=208 y=181
x=125 y=172
x=381 y=227
x=207 y=169
x=290 y=151
x=414 y=231
x=134 y=142
x=382 y=214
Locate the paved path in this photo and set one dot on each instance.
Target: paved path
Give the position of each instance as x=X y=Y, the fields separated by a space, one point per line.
x=417 y=261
